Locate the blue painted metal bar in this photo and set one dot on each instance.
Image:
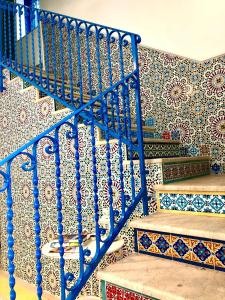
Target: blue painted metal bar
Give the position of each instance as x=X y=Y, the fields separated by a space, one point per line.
x=37 y=222
x=46 y=47
x=1 y=50
x=61 y=26
x=10 y=229
x=135 y=41
x=60 y=215
x=53 y=24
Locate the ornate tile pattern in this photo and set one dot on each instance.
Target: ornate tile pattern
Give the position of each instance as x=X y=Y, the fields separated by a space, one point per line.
x=180 y=94
x=114 y=292
x=183 y=170
x=196 y=203
x=159 y=150
x=187 y=249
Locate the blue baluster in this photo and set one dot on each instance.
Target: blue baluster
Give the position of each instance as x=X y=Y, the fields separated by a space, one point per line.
x=125 y=96
x=78 y=189
x=109 y=40
x=53 y=25
x=20 y=42
x=120 y=151
x=69 y=28
x=39 y=19
x=15 y=35
x=27 y=29
x=59 y=210
x=79 y=61
x=9 y=34
x=46 y=43
x=109 y=171
x=134 y=42
x=62 y=62
x=5 y=37
x=10 y=229
x=37 y=224
x=1 y=58
x=32 y=20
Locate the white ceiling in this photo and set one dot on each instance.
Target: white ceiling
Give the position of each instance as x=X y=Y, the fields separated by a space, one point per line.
x=190 y=28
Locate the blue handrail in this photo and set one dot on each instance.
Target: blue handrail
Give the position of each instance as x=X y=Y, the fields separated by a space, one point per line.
x=81 y=65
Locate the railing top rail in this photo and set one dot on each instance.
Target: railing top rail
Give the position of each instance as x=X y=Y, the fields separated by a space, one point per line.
x=138 y=38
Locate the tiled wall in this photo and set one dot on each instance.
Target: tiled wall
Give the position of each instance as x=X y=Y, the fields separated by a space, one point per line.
x=180 y=93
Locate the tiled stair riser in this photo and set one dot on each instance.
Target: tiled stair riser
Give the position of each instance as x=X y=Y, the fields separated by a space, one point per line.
x=198 y=251
x=197 y=203
x=158 y=150
x=114 y=292
x=173 y=172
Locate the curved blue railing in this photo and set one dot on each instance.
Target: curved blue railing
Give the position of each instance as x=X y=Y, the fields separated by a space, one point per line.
x=81 y=65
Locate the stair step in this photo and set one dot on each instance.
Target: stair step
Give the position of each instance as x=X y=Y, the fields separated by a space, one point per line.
x=198 y=226
x=165 y=279
x=209 y=183
x=204 y=195
x=187 y=239
x=145 y=128
x=158 y=141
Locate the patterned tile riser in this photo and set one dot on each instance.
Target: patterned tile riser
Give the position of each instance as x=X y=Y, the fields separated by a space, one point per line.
x=194 y=203
x=159 y=151
x=184 y=170
x=187 y=249
x=114 y=292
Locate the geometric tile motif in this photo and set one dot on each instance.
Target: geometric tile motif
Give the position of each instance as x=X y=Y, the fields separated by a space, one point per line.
x=184 y=170
x=187 y=249
x=158 y=151
x=113 y=292
x=193 y=202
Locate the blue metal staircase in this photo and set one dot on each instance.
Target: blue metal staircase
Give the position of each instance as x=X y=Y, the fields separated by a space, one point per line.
x=73 y=61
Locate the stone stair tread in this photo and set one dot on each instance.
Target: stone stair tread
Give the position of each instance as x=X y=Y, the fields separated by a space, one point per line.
x=210 y=227
x=145 y=128
x=165 y=279
x=163 y=141
x=207 y=183
x=172 y=159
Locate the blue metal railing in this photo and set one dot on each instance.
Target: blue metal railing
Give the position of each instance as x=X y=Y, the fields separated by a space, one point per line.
x=81 y=65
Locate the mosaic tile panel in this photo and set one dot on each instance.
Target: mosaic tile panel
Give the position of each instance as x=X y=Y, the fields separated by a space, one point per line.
x=114 y=292
x=158 y=150
x=187 y=249
x=183 y=170
x=196 y=203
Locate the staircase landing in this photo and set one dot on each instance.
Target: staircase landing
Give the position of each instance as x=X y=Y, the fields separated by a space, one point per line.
x=165 y=279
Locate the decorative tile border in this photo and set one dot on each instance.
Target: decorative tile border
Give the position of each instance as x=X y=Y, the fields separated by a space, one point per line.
x=114 y=292
x=192 y=202
x=158 y=150
x=187 y=249
x=183 y=170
